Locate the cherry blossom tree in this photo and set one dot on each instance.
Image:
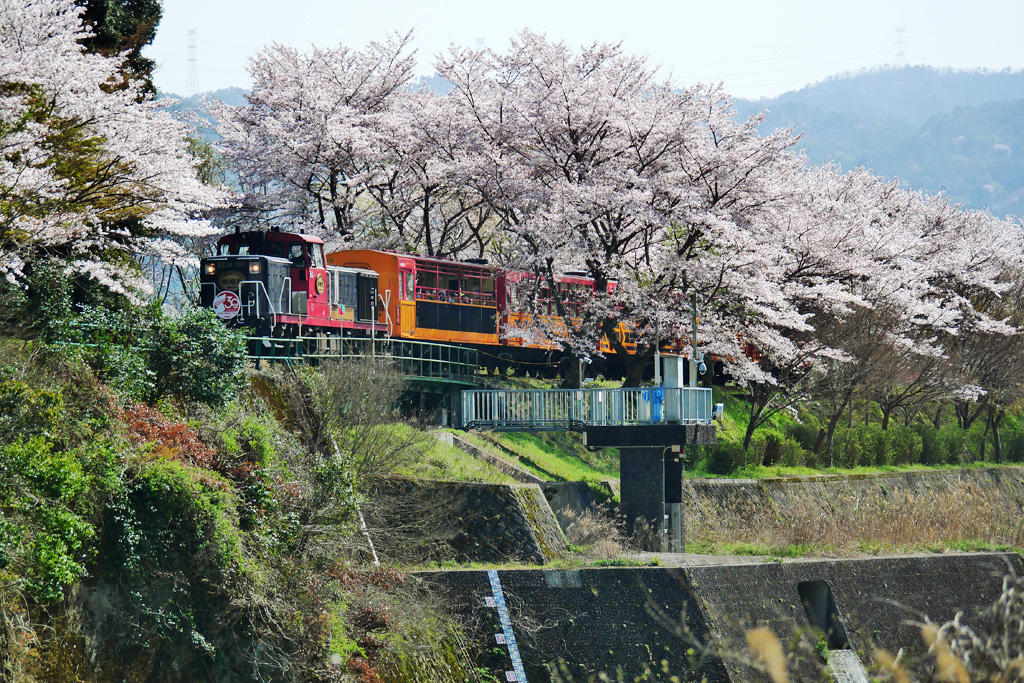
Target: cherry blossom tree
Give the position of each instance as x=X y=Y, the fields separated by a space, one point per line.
x=425 y=195
x=592 y=165
x=91 y=175
x=307 y=146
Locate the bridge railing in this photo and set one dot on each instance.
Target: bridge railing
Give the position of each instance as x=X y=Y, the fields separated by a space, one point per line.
x=540 y=409
x=414 y=359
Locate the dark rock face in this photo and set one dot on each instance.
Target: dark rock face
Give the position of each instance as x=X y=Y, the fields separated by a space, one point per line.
x=568 y=499
x=575 y=624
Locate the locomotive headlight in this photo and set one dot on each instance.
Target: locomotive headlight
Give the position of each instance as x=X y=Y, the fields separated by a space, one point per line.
x=210 y=268
x=254 y=267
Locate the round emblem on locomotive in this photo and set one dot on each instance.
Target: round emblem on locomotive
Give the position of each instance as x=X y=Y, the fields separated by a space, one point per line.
x=226 y=305
x=320 y=283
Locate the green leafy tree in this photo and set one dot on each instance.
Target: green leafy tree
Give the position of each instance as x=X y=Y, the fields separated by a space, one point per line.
x=121 y=26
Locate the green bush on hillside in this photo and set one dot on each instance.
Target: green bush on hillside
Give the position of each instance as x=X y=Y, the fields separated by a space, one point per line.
x=146 y=355
x=196 y=357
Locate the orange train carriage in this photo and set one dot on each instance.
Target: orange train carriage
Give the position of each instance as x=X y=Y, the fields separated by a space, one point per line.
x=472 y=303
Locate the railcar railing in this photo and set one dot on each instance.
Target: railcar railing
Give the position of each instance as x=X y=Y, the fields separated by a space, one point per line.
x=577 y=409
x=412 y=359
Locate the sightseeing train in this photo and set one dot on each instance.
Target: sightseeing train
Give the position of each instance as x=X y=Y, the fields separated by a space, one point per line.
x=283 y=285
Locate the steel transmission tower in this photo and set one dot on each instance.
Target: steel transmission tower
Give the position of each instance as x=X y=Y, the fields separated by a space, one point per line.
x=900 y=53
x=192 y=75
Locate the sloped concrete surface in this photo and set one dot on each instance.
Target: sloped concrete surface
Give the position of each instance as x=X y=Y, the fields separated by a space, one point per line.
x=576 y=624
x=418 y=521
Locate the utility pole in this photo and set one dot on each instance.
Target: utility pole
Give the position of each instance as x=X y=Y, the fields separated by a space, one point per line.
x=693 y=351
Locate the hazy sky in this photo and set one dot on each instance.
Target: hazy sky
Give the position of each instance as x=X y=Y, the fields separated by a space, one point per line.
x=756 y=49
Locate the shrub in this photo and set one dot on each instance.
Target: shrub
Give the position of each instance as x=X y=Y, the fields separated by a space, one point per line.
x=952 y=444
x=1013 y=447
x=146 y=355
x=906 y=445
x=146 y=425
x=724 y=457
x=805 y=432
x=27 y=411
x=172 y=547
x=247 y=456
x=931 y=451
x=197 y=358
x=124 y=369
x=792 y=452
x=852 y=446
x=47 y=501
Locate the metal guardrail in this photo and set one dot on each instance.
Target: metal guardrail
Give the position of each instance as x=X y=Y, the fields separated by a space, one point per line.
x=577 y=409
x=413 y=359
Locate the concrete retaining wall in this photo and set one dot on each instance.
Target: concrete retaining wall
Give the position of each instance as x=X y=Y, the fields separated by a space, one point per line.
x=653 y=622
x=416 y=520
x=779 y=493
x=909 y=510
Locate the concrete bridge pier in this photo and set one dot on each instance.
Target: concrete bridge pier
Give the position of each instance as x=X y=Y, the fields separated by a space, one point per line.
x=651 y=478
x=655 y=521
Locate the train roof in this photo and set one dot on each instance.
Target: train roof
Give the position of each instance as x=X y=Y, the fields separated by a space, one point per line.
x=352 y=269
x=269 y=236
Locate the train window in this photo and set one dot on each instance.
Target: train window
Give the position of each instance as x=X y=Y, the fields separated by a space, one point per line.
x=426 y=285
x=297 y=256
x=233 y=250
x=317 y=251
x=406 y=285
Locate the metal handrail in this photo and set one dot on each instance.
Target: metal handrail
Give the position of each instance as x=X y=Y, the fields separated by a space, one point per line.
x=581 y=408
x=415 y=359
x=259 y=286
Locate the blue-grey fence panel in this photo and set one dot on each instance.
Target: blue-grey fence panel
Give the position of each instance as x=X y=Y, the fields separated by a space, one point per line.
x=580 y=408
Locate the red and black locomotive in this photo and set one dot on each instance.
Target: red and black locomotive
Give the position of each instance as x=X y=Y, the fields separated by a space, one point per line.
x=278 y=284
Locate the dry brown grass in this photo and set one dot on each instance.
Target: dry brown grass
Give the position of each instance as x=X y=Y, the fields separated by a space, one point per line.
x=597 y=532
x=765 y=645
x=959 y=517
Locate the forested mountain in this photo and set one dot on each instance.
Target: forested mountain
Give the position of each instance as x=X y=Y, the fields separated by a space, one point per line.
x=955 y=131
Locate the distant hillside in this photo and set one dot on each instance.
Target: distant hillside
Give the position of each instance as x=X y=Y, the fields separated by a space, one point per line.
x=194 y=109
x=911 y=94
x=955 y=131
x=938 y=130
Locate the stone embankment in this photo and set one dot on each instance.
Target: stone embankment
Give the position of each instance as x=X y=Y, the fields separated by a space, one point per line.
x=904 y=510
x=420 y=521
x=783 y=492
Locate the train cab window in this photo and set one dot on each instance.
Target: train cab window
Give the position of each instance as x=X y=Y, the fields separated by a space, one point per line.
x=233 y=250
x=296 y=254
x=317 y=252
